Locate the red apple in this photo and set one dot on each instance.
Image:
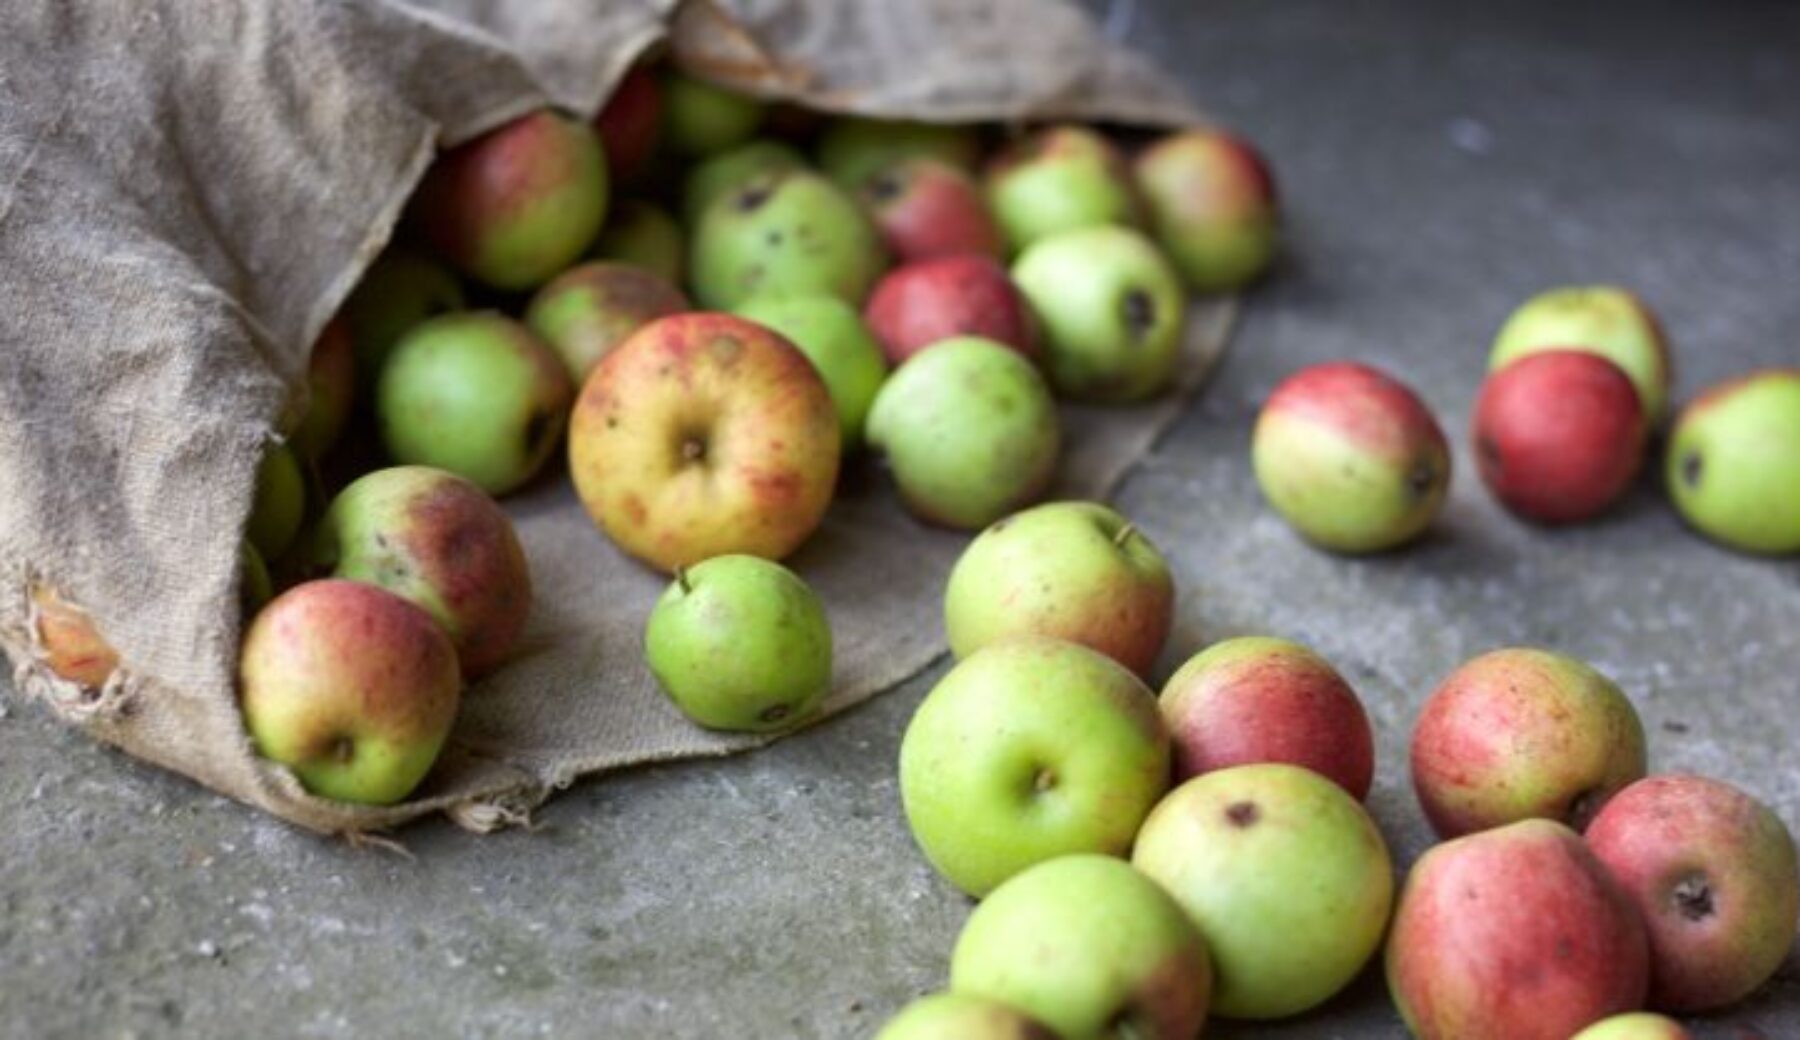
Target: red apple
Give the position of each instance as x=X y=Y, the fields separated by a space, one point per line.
x=926 y=301
x=1713 y=871
x=71 y=644
x=1516 y=933
x=1559 y=435
x=925 y=208
x=629 y=123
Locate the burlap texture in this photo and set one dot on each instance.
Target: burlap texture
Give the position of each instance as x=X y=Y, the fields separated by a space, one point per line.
x=188 y=190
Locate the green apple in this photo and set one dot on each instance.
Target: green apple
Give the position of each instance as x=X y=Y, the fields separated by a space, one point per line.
x=1600 y=319
x=255 y=587
x=853 y=148
x=331 y=386
x=969 y=430
x=833 y=337
x=477 y=394
x=1073 y=570
x=953 y=1016
x=1212 y=204
x=1028 y=750
x=1286 y=876
x=1111 y=309
x=1090 y=947
x=591 y=308
x=398 y=292
x=740 y=643
x=643 y=235
x=1635 y=1025
x=351 y=687
x=730 y=170
x=785 y=232
x=1734 y=462
x=1058 y=179
x=701 y=119
x=280 y=503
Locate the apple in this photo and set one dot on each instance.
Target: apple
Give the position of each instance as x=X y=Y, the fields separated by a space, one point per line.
x=726 y=172
x=1515 y=933
x=331 y=385
x=969 y=430
x=629 y=124
x=398 y=292
x=1111 y=309
x=1059 y=179
x=1713 y=872
x=255 y=587
x=704 y=434
x=924 y=208
x=1028 y=750
x=1258 y=699
x=1521 y=733
x=1559 y=435
x=350 y=686
x=69 y=643
x=439 y=541
x=1734 y=462
x=927 y=301
x=1091 y=948
x=279 y=503
x=1212 y=205
x=1072 y=570
x=1351 y=458
x=852 y=147
x=954 y=1016
x=1634 y=1025
x=643 y=235
x=477 y=394
x=833 y=337
x=740 y=643
x=1600 y=319
x=516 y=205
x=784 y=232
x=1285 y=875
x=700 y=119
x=590 y=309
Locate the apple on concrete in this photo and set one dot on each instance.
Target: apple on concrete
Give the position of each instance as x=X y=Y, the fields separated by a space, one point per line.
x=351 y=687
x=1520 y=733
x=1058 y=179
x=852 y=148
x=1091 y=948
x=1351 y=458
x=1259 y=699
x=402 y=289
x=705 y=434
x=955 y=1016
x=721 y=174
x=833 y=337
x=630 y=123
x=278 y=506
x=1713 y=872
x=1601 y=319
x=591 y=308
x=1285 y=875
x=1734 y=462
x=928 y=301
x=1028 y=750
x=331 y=387
x=1516 y=933
x=701 y=118
x=1212 y=206
x=69 y=642
x=1635 y=1025
x=643 y=235
x=926 y=208
x=1070 y=570
x=784 y=232
x=475 y=393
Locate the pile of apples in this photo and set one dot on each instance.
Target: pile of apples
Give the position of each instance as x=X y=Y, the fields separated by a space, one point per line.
x=1146 y=860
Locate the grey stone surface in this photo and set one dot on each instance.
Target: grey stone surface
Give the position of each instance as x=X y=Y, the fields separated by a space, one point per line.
x=1439 y=164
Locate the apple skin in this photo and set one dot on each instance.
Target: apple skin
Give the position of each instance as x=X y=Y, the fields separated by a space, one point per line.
x=1713 y=872
x=516 y=205
x=740 y=643
x=1634 y=1025
x=955 y=1016
x=853 y=148
x=279 y=505
x=477 y=394
x=927 y=301
x=1111 y=309
x=785 y=232
x=1351 y=458
x=255 y=587
x=924 y=208
x=1559 y=435
x=969 y=430
x=642 y=235
x=1091 y=948
x=1601 y=319
x=1257 y=699
x=1734 y=462
x=630 y=123
x=705 y=434
x=69 y=642
x=700 y=119
x=1025 y=751
x=398 y=292
x=331 y=387
x=1071 y=570
x=1516 y=933
x=730 y=170
x=1285 y=875
x=351 y=687
x=1212 y=204
x=1520 y=733
x=591 y=308
x=439 y=541
x=1058 y=179
x=833 y=337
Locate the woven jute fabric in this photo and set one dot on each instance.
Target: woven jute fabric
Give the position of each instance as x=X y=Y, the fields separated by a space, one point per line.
x=188 y=190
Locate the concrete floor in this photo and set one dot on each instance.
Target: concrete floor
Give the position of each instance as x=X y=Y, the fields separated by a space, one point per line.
x=1438 y=167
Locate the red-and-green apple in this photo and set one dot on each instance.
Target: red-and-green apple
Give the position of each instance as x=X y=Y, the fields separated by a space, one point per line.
x=279 y=503
x=701 y=119
x=720 y=175
x=955 y=1016
x=643 y=235
x=591 y=308
x=398 y=292
x=1734 y=462
x=1212 y=206
x=1058 y=179
x=1559 y=435
x=1601 y=319
x=331 y=387
x=833 y=337
x=926 y=208
x=630 y=123
x=784 y=232
x=927 y=301
x=852 y=148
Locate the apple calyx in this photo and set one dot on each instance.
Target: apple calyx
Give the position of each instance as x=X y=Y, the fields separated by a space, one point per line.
x=1139 y=312
x=1693 y=897
x=342 y=750
x=1242 y=814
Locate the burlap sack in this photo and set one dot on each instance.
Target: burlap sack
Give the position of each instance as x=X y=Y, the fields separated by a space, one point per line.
x=188 y=190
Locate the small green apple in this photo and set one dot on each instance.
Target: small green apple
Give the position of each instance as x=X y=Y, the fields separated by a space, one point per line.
x=784 y=232
x=1600 y=319
x=853 y=148
x=1635 y=1025
x=833 y=337
x=280 y=503
x=953 y=1016
x=643 y=235
x=591 y=308
x=1734 y=462
x=740 y=643
x=701 y=119
x=398 y=292
x=255 y=587
x=1058 y=179
x=730 y=170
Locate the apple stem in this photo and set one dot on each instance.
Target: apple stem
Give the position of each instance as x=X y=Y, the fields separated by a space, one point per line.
x=1124 y=534
x=681 y=578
